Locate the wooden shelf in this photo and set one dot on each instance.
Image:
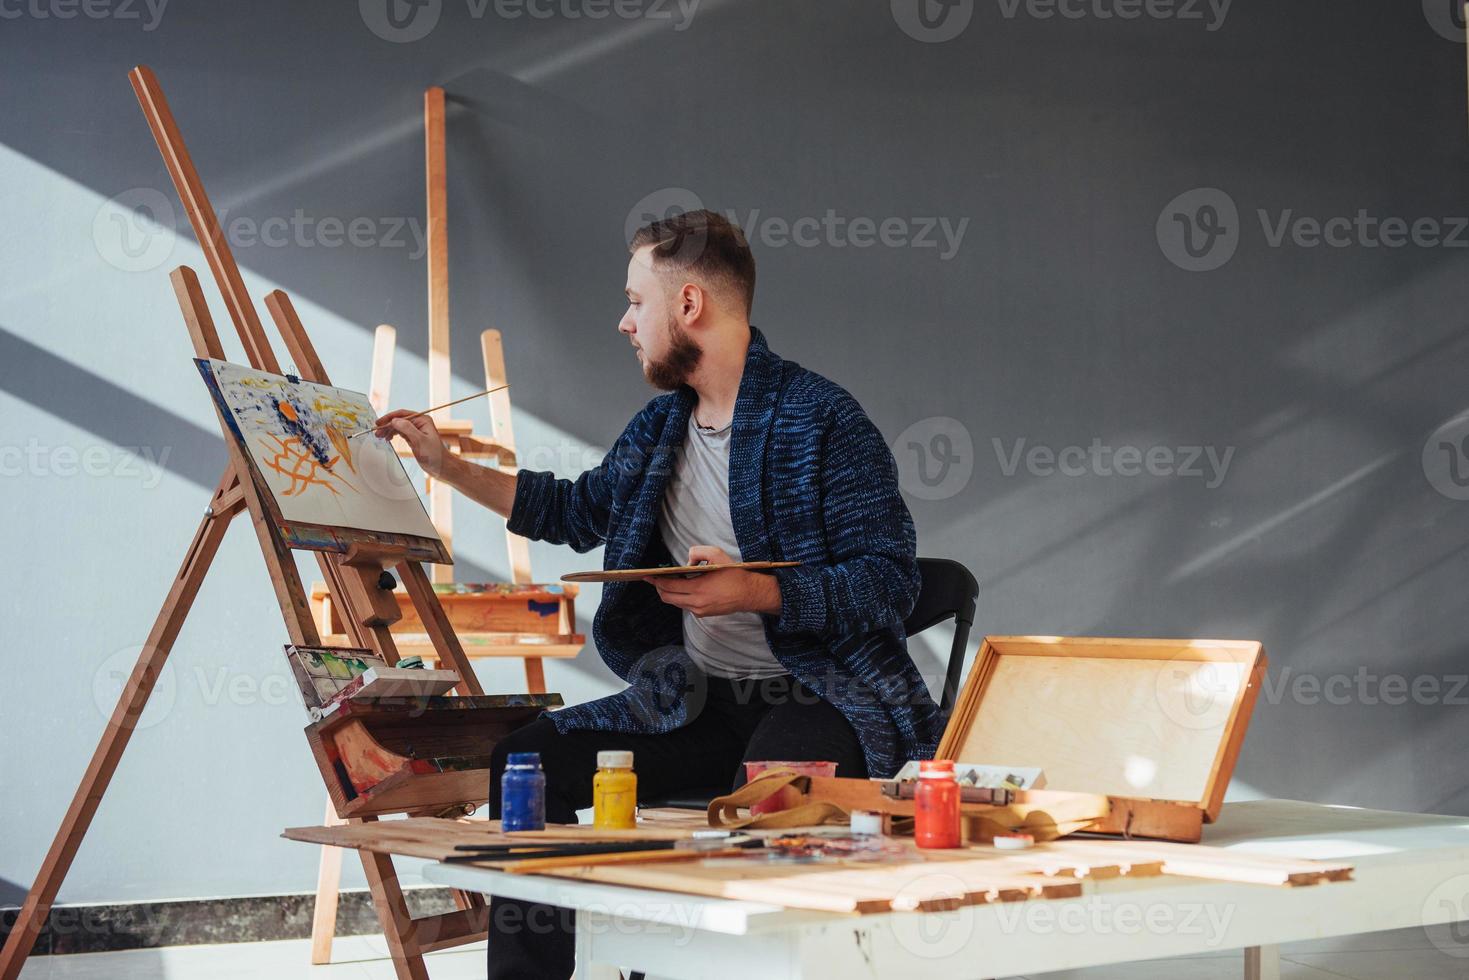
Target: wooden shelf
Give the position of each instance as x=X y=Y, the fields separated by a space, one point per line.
x=381 y=757
x=491 y=619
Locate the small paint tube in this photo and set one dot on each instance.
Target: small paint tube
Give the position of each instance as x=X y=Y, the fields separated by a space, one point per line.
x=866 y=822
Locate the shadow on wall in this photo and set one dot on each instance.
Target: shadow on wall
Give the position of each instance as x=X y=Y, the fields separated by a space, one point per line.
x=109 y=411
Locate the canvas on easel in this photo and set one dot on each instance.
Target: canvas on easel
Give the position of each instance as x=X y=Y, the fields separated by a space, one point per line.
x=298 y=437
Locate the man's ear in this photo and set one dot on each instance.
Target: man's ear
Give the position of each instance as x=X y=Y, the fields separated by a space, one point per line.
x=691 y=302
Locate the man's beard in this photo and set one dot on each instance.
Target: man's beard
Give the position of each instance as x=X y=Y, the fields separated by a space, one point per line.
x=672 y=372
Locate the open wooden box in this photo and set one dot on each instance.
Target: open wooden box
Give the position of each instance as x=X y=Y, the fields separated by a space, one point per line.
x=416 y=755
x=1153 y=726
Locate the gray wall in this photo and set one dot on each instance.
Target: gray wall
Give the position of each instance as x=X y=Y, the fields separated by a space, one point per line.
x=1066 y=313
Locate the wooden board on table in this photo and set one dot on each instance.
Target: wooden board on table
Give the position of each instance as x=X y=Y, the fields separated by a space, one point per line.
x=936 y=880
x=854 y=887
x=1215 y=863
x=633 y=574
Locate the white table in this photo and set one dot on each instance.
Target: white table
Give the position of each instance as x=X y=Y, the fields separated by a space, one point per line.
x=1411 y=870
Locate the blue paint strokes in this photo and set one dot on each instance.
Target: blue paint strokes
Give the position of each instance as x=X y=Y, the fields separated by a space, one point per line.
x=224 y=409
x=295 y=427
x=543 y=608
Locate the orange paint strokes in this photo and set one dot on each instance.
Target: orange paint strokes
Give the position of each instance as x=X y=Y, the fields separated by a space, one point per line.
x=342 y=444
x=292 y=461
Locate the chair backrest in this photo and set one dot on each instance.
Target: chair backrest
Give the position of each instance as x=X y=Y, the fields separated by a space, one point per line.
x=949 y=591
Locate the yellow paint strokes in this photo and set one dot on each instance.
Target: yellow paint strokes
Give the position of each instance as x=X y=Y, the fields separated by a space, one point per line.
x=342 y=444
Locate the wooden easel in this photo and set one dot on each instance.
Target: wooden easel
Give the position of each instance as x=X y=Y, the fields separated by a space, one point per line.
x=353 y=574
x=490 y=619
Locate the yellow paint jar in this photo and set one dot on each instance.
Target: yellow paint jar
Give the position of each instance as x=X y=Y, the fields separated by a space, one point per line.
x=614 y=792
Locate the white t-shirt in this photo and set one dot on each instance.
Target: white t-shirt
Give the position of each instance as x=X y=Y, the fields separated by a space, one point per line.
x=696 y=511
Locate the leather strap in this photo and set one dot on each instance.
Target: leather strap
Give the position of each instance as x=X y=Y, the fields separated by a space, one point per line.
x=724 y=810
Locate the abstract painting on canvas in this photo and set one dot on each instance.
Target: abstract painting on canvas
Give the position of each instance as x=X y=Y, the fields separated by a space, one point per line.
x=296 y=433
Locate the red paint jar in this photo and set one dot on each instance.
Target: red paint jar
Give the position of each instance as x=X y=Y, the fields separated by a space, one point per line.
x=936 y=805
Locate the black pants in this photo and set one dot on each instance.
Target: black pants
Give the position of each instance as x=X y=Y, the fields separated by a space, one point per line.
x=775 y=719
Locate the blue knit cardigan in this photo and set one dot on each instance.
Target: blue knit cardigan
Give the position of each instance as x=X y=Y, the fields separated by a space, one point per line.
x=810 y=480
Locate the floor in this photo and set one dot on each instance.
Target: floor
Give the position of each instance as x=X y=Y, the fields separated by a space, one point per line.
x=1433 y=954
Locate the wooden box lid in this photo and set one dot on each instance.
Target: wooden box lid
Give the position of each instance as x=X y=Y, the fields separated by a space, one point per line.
x=1148 y=719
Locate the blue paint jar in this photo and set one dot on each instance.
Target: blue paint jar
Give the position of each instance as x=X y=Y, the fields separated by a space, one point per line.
x=523 y=793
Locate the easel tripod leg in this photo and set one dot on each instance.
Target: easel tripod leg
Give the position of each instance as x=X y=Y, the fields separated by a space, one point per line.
x=225 y=503
x=392 y=912
x=328 y=882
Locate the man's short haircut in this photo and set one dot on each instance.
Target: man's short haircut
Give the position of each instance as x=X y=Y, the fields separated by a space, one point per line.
x=706 y=247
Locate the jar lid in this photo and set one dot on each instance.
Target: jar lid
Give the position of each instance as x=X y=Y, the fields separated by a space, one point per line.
x=936 y=768
x=524 y=759
x=613 y=759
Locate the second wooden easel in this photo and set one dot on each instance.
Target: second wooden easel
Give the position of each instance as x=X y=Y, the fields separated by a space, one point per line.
x=496 y=619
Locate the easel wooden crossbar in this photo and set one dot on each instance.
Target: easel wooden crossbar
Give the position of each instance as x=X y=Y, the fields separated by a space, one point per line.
x=352 y=571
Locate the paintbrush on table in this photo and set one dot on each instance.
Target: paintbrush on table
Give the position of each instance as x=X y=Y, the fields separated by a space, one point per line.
x=429 y=411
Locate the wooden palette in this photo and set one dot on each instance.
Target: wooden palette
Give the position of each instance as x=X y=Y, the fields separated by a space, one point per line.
x=634 y=574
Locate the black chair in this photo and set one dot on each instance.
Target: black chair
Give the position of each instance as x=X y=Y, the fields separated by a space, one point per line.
x=949 y=591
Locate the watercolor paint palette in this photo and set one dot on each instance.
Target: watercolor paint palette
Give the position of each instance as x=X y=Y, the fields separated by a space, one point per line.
x=323 y=673
x=329 y=676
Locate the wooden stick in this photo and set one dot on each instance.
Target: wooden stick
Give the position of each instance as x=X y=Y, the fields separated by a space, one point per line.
x=440 y=377
x=426 y=411
x=201 y=214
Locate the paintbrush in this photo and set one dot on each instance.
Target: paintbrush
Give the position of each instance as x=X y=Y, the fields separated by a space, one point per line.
x=428 y=411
